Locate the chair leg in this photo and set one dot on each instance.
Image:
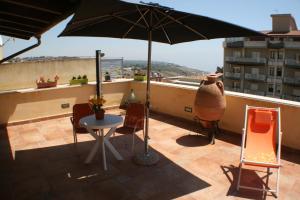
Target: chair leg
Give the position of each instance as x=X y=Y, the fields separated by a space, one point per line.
x=277 y=183
x=239 y=177
x=132 y=147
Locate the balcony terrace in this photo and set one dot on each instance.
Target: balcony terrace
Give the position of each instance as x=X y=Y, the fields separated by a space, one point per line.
x=233 y=75
x=292 y=63
x=255 y=92
x=245 y=60
x=292 y=45
x=255 y=77
x=38 y=159
x=292 y=80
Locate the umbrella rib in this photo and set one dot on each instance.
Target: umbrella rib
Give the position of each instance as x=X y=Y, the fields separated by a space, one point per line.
x=169 y=22
x=129 y=21
x=143 y=15
x=163 y=29
x=137 y=22
x=99 y=17
x=179 y=22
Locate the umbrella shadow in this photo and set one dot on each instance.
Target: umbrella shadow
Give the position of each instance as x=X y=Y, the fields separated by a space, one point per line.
x=59 y=172
x=249 y=178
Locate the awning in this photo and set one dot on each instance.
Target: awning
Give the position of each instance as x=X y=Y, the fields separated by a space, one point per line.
x=27 y=18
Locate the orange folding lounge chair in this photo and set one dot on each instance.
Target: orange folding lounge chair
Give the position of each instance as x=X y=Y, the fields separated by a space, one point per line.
x=261 y=143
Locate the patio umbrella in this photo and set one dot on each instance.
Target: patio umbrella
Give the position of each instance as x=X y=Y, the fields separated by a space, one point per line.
x=151 y=22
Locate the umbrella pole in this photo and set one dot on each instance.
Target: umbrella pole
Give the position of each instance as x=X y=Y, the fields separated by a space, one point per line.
x=147 y=157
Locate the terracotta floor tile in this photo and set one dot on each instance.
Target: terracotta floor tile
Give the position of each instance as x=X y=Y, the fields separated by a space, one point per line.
x=40 y=161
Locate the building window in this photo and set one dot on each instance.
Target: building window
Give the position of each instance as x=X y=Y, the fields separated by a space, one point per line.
x=254 y=86
x=255 y=54
x=270 y=88
x=236 y=69
x=280 y=55
x=279 y=72
x=296 y=92
x=271 y=71
x=273 y=55
x=236 y=84
x=298 y=58
x=237 y=54
x=254 y=71
x=278 y=88
x=297 y=74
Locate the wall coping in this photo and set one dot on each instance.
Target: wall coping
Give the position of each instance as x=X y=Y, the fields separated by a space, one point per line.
x=61 y=86
x=234 y=94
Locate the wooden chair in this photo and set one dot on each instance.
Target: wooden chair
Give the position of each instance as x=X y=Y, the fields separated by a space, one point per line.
x=79 y=111
x=134 y=120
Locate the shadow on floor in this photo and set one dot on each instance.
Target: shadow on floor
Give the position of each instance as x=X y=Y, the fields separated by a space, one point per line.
x=249 y=178
x=192 y=140
x=288 y=154
x=57 y=172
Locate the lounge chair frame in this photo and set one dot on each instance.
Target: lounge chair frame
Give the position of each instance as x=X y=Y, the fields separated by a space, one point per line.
x=261 y=164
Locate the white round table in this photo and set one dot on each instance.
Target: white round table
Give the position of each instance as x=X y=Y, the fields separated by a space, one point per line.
x=92 y=124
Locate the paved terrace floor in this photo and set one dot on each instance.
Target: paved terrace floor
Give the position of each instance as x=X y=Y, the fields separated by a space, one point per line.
x=38 y=161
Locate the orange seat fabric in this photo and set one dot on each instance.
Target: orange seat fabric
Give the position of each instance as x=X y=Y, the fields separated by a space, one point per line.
x=261 y=137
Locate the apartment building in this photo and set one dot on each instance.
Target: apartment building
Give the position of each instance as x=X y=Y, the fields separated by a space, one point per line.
x=267 y=66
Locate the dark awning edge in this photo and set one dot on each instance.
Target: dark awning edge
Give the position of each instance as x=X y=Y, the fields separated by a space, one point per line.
x=30 y=18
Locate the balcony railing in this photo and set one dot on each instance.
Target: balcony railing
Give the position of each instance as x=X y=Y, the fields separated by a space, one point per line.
x=255 y=92
x=277 y=62
x=291 y=97
x=245 y=60
x=235 y=44
x=256 y=77
x=234 y=89
x=275 y=44
x=255 y=44
x=292 y=80
x=292 y=45
x=276 y=79
x=292 y=62
x=233 y=75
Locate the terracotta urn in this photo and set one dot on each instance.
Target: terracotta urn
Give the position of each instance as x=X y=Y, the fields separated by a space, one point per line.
x=210 y=100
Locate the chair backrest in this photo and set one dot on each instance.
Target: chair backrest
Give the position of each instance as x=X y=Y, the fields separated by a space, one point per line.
x=80 y=111
x=135 y=115
x=262 y=130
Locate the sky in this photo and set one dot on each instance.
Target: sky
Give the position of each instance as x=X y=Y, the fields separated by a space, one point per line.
x=204 y=55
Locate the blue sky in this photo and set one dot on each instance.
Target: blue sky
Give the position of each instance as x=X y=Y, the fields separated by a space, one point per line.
x=204 y=55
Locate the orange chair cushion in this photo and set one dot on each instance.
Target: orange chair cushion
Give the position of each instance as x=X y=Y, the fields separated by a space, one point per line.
x=261 y=136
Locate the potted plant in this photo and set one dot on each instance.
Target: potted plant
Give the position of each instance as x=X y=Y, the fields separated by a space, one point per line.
x=96 y=104
x=139 y=76
x=79 y=80
x=107 y=77
x=41 y=83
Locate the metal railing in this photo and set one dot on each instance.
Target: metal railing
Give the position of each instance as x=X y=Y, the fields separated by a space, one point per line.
x=232 y=75
x=258 y=77
x=292 y=80
x=292 y=62
x=234 y=89
x=246 y=60
x=255 y=44
x=255 y=92
x=292 y=45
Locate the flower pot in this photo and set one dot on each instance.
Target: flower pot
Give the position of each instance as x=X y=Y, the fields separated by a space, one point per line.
x=46 y=84
x=78 y=81
x=140 y=77
x=210 y=100
x=100 y=114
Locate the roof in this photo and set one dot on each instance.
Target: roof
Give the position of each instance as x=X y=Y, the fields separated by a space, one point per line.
x=30 y=18
x=286 y=34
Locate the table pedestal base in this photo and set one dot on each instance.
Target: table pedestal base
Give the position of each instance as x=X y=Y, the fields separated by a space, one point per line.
x=151 y=158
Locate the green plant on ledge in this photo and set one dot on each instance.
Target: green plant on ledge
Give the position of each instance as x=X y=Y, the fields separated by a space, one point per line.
x=79 y=80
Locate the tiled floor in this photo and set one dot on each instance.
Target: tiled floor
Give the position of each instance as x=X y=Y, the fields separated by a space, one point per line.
x=39 y=161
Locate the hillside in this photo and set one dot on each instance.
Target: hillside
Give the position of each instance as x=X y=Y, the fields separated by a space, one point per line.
x=167 y=69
